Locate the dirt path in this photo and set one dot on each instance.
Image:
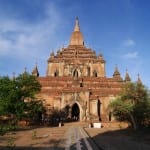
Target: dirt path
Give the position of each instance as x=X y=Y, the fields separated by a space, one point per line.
x=38 y=139
x=71 y=136
x=44 y=138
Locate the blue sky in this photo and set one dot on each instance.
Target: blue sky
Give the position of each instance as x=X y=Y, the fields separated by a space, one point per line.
x=119 y=29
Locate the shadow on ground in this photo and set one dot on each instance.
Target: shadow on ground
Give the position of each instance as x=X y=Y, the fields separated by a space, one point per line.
x=120 y=139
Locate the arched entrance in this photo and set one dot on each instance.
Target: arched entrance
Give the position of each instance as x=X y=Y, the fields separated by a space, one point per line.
x=75 y=112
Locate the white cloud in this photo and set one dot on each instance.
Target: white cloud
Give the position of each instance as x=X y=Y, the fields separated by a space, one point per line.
x=131 y=55
x=129 y=42
x=4 y=46
x=26 y=40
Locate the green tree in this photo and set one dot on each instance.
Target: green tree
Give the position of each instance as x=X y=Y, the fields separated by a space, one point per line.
x=34 y=110
x=28 y=85
x=132 y=105
x=8 y=95
x=16 y=94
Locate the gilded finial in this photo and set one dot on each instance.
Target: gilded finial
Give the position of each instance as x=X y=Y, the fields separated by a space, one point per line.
x=77 y=28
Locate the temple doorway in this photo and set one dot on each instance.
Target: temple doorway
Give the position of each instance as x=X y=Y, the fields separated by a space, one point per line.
x=75 y=113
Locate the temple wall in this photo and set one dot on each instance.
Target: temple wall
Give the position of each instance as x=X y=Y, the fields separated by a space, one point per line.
x=53 y=67
x=104 y=111
x=99 y=68
x=82 y=99
x=67 y=69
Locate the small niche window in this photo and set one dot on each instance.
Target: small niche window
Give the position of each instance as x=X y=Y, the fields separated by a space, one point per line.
x=75 y=73
x=95 y=73
x=88 y=71
x=56 y=73
x=81 y=84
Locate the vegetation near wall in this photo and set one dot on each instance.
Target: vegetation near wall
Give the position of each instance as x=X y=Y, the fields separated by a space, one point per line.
x=133 y=105
x=17 y=99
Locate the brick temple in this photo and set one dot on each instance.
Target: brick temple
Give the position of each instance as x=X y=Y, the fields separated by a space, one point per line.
x=76 y=77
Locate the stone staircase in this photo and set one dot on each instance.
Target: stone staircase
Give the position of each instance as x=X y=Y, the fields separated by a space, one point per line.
x=104 y=124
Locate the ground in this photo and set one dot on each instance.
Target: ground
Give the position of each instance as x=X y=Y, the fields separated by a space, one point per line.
x=43 y=138
x=120 y=139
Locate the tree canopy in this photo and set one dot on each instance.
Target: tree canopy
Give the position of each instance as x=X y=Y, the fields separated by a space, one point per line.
x=133 y=105
x=17 y=95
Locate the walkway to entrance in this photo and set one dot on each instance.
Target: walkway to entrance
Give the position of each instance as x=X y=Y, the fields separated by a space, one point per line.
x=77 y=139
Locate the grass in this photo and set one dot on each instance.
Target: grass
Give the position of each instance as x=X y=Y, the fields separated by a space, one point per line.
x=5 y=128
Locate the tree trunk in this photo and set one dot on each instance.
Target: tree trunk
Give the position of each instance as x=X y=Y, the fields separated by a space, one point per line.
x=133 y=121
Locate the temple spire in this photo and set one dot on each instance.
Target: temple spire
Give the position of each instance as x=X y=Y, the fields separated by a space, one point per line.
x=76 y=37
x=139 y=80
x=127 y=77
x=77 y=27
x=35 y=71
x=116 y=74
x=13 y=76
x=25 y=70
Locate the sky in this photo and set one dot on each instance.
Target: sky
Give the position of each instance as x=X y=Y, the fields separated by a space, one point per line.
x=119 y=29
